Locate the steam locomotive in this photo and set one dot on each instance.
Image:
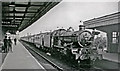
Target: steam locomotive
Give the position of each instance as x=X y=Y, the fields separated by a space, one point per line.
x=75 y=46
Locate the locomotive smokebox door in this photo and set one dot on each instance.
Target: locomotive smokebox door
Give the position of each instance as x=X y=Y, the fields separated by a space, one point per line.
x=84 y=38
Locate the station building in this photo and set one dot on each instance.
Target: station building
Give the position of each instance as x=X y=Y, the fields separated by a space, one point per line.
x=109 y=24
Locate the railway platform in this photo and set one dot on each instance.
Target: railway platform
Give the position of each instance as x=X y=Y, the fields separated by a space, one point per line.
x=110 y=61
x=114 y=57
x=19 y=59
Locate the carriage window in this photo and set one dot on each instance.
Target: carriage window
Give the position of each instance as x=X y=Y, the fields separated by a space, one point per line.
x=114 y=37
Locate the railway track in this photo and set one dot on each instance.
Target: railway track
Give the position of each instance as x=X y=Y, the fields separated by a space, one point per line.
x=58 y=68
x=33 y=52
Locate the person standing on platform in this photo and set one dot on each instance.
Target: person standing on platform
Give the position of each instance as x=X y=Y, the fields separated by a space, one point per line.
x=1 y=46
x=5 y=41
x=15 y=41
x=9 y=44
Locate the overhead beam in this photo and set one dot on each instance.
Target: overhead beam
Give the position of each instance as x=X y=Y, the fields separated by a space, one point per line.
x=25 y=5
x=39 y=14
x=19 y=12
x=33 y=18
x=20 y=5
x=17 y=16
x=28 y=5
x=9 y=19
x=10 y=25
x=5 y=24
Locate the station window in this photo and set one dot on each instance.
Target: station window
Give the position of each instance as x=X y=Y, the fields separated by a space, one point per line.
x=114 y=37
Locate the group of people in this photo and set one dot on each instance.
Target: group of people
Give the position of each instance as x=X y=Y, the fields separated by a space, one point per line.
x=8 y=44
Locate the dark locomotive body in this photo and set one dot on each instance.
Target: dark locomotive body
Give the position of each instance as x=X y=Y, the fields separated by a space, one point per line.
x=76 y=46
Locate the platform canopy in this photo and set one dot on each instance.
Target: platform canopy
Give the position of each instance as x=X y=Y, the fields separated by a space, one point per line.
x=16 y=16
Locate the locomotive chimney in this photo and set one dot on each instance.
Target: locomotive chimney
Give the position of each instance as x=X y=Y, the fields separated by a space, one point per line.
x=81 y=27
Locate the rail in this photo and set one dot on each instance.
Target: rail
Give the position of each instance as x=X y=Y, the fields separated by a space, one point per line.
x=56 y=66
x=53 y=64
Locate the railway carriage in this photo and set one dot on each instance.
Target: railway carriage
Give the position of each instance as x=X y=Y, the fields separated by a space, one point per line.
x=37 y=40
x=47 y=39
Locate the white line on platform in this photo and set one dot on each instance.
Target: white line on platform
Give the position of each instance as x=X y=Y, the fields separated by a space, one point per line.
x=4 y=61
x=35 y=59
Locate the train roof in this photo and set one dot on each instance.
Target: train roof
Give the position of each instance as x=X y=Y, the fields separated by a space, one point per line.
x=56 y=32
x=42 y=33
x=59 y=30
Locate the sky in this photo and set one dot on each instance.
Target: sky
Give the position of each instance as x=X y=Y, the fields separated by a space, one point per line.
x=69 y=14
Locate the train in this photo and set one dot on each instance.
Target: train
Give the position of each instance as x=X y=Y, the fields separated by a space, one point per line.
x=74 y=46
